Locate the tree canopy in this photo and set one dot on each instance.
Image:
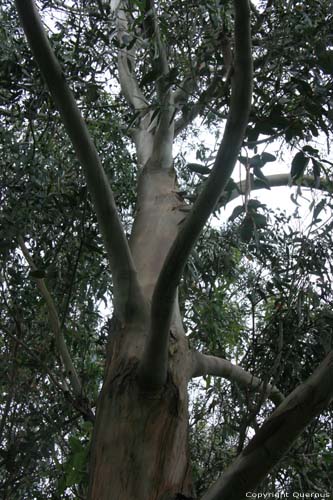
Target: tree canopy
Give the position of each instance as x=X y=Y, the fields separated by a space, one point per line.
x=255 y=292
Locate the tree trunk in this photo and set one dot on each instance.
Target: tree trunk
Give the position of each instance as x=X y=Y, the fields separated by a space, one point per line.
x=140 y=444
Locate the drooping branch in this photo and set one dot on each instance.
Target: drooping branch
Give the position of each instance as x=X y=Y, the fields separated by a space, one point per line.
x=219 y=367
x=55 y=325
x=154 y=363
x=276 y=435
x=127 y=294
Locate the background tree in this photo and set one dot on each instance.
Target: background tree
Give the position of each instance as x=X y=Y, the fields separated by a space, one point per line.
x=174 y=63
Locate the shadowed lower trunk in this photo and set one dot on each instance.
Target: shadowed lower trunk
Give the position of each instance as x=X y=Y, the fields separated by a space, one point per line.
x=140 y=444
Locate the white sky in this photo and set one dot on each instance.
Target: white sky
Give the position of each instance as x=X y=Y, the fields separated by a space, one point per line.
x=278 y=197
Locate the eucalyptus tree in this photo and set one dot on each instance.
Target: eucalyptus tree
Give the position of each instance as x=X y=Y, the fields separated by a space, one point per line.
x=174 y=63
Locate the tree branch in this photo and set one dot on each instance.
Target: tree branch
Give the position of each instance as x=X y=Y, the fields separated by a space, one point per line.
x=55 y=325
x=184 y=90
x=164 y=135
x=126 y=63
x=153 y=31
x=279 y=180
x=153 y=369
x=127 y=293
x=219 y=367
x=276 y=435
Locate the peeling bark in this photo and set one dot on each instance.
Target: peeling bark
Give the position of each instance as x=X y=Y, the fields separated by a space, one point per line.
x=140 y=444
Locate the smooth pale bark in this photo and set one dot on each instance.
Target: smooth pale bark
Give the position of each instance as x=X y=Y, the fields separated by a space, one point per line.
x=140 y=443
x=280 y=180
x=140 y=446
x=158 y=218
x=126 y=62
x=276 y=435
x=153 y=369
x=213 y=365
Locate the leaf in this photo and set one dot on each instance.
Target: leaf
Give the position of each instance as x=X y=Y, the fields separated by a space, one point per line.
x=37 y=274
x=262 y=183
x=93 y=248
x=198 y=168
x=252 y=136
x=231 y=185
x=244 y=160
x=316 y=167
x=237 y=211
x=293 y=199
x=298 y=165
x=318 y=208
x=310 y=150
x=5 y=245
x=256 y=162
x=267 y=157
x=150 y=77
x=258 y=173
x=246 y=229
x=259 y=161
x=92 y=93
x=260 y=220
x=325 y=60
x=254 y=205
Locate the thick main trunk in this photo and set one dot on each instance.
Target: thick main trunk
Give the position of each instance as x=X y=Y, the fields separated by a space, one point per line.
x=140 y=445
x=157 y=222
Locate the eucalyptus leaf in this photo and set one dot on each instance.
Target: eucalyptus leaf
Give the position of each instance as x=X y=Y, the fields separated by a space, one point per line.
x=237 y=211
x=37 y=274
x=198 y=168
x=246 y=230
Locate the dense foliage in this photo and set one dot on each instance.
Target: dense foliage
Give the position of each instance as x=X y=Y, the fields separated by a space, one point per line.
x=258 y=291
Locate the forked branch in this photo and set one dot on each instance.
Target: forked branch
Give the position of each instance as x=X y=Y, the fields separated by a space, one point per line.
x=219 y=367
x=127 y=293
x=164 y=134
x=155 y=358
x=276 y=435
